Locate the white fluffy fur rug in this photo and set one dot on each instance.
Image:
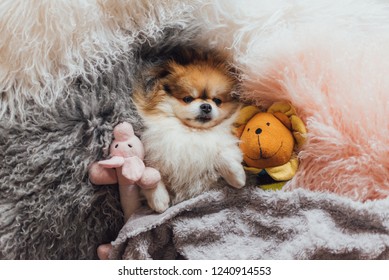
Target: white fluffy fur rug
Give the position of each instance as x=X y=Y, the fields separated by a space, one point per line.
x=46 y=44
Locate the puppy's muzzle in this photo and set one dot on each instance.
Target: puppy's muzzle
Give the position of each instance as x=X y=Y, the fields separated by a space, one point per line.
x=206 y=108
x=205 y=113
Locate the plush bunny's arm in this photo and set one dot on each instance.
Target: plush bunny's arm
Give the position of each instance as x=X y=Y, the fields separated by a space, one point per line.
x=113 y=162
x=100 y=175
x=133 y=168
x=150 y=178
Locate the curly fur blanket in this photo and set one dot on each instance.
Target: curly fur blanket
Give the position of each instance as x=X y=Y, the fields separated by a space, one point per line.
x=65 y=82
x=256 y=224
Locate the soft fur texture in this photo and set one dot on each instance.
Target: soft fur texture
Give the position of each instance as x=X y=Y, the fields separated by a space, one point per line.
x=66 y=81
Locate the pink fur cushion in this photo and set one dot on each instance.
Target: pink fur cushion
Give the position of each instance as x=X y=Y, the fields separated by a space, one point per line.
x=330 y=59
x=340 y=88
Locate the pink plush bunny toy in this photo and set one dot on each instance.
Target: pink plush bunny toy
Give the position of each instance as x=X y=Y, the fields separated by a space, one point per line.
x=125 y=167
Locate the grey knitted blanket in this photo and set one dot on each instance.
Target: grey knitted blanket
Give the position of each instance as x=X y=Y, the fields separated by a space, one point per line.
x=256 y=224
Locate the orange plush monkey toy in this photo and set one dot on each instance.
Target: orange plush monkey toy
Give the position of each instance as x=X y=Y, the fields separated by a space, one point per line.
x=269 y=142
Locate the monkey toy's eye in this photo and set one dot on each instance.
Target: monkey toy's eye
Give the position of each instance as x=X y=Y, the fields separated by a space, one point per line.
x=188 y=99
x=217 y=101
x=129 y=146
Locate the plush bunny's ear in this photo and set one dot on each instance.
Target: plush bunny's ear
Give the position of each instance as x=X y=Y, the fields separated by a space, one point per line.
x=123 y=131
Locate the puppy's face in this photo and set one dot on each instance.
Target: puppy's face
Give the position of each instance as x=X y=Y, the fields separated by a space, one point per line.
x=199 y=95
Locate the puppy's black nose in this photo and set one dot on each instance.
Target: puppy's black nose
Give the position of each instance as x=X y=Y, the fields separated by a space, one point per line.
x=206 y=108
x=258 y=131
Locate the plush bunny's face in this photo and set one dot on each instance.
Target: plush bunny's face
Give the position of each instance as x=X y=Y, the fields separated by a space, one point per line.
x=266 y=141
x=126 y=143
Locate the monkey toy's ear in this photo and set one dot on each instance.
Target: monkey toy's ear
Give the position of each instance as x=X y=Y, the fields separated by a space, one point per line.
x=284 y=119
x=245 y=114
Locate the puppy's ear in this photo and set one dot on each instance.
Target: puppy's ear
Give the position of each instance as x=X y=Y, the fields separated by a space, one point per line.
x=159 y=72
x=151 y=76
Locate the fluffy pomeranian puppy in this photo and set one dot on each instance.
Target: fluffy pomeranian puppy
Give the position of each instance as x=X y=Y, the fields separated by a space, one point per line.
x=188 y=112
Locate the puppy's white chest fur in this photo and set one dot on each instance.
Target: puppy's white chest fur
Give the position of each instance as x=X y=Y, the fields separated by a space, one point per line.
x=190 y=160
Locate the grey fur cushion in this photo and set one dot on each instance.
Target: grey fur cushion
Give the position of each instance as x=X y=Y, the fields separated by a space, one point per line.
x=48 y=207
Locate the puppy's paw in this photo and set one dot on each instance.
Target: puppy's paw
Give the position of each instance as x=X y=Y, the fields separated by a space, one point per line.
x=160 y=204
x=235 y=176
x=158 y=198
